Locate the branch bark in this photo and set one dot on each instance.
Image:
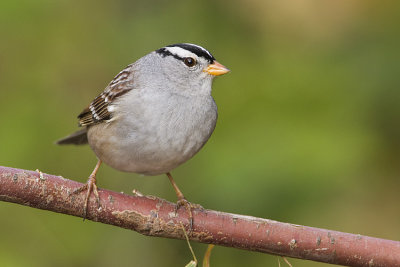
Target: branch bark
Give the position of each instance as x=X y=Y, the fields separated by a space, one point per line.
x=153 y=216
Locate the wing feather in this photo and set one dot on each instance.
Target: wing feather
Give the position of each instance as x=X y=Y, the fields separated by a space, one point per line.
x=98 y=110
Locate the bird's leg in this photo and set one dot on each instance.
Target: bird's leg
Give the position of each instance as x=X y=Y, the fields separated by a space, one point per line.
x=89 y=187
x=182 y=201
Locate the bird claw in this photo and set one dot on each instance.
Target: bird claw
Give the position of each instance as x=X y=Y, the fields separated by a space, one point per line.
x=89 y=187
x=182 y=202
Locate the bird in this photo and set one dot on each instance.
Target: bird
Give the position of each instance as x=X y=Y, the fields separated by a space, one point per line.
x=155 y=114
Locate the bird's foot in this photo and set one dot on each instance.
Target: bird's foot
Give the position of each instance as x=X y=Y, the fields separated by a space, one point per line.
x=182 y=202
x=89 y=187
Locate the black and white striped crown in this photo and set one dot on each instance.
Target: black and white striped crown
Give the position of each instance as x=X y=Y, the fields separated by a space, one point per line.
x=180 y=51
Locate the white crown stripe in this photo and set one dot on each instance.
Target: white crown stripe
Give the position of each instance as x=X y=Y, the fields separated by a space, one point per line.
x=180 y=52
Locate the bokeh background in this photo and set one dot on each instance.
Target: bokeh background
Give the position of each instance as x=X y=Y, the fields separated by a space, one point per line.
x=308 y=130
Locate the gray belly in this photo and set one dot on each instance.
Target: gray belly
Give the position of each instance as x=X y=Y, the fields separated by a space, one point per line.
x=153 y=141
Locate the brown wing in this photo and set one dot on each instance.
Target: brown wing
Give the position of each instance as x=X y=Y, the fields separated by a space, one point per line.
x=98 y=110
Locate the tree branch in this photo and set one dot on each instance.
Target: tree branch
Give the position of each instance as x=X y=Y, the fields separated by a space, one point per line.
x=153 y=216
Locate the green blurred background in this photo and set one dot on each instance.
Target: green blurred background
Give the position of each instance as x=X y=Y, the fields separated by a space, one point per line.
x=308 y=130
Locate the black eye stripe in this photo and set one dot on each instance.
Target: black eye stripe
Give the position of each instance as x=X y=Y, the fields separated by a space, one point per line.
x=164 y=52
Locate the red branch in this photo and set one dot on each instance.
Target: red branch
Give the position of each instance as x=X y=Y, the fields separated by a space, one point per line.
x=153 y=216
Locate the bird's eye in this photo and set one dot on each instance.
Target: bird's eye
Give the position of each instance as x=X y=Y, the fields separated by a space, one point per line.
x=189 y=61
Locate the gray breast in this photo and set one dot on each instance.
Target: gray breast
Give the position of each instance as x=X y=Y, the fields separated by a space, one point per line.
x=160 y=132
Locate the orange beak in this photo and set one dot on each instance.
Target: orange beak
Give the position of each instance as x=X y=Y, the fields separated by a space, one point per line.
x=216 y=69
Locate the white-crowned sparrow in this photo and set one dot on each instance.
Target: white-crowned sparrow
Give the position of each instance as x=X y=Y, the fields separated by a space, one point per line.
x=153 y=116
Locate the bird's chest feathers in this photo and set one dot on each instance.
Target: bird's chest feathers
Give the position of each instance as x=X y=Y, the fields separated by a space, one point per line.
x=184 y=125
x=173 y=124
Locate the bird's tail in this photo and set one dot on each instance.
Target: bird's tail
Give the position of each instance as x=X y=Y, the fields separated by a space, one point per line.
x=76 y=138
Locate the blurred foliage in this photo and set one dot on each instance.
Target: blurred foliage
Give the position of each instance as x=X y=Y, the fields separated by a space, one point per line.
x=308 y=130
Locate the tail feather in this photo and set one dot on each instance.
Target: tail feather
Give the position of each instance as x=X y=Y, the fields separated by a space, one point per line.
x=76 y=138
